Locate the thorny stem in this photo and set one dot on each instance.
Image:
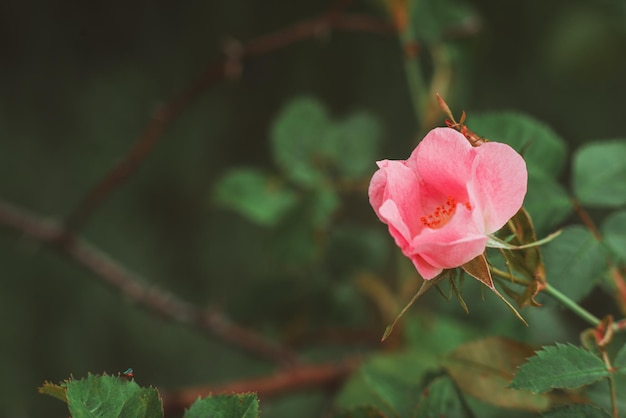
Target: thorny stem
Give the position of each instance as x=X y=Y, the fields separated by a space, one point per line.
x=208 y=321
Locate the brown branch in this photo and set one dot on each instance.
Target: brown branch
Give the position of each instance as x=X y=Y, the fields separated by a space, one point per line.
x=228 y=67
x=210 y=321
x=321 y=376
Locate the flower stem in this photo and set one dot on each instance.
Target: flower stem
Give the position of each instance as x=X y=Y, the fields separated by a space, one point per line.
x=571 y=305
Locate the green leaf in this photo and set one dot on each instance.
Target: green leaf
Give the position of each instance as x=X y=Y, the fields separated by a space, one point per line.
x=599 y=169
x=573 y=262
x=484 y=368
x=543 y=150
x=112 y=397
x=241 y=405
x=255 y=195
x=298 y=137
x=431 y=20
x=386 y=383
x=576 y=411
x=559 y=366
x=440 y=399
x=614 y=232
x=547 y=201
x=353 y=144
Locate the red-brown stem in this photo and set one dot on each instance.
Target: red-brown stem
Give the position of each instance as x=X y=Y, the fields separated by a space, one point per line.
x=586 y=219
x=228 y=67
x=620 y=284
x=209 y=321
x=320 y=376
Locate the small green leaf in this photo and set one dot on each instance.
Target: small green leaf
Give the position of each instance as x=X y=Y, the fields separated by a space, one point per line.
x=112 y=397
x=559 y=366
x=241 y=405
x=543 y=150
x=484 y=368
x=298 y=138
x=255 y=195
x=440 y=399
x=353 y=144
x=573 y=262
x=598 y=172
x=576 y=411
x=614 y=231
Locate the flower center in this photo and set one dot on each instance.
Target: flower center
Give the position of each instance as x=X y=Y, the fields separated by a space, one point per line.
x=442 y=214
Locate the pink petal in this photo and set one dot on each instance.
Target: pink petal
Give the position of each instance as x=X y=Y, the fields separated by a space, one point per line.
x=499 y=183
x=456 y=243
x=424 y=268
x=398 y=228
x=443 y=160
x=396 y=182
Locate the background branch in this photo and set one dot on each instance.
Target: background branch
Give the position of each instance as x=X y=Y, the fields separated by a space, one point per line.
x=210 y=321
x=230 y=66
x=321 y=376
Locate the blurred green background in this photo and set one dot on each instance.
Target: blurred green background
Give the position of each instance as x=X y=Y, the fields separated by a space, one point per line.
x=79 y=81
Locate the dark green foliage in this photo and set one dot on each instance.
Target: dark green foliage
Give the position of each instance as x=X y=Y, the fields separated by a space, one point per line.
x=574 y=261
x=440 y=399
x=596 y=170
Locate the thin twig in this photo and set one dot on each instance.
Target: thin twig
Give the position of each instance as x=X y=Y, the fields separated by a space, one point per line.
x=586 y=219
x=212 y=322
x=320 y=376
x=230 y=66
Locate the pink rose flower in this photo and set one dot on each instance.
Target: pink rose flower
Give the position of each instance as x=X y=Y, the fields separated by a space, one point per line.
x=443 y=202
